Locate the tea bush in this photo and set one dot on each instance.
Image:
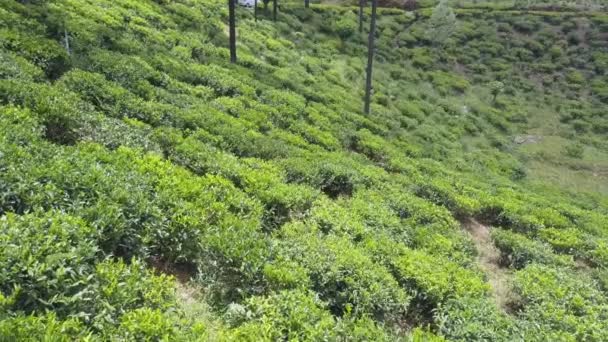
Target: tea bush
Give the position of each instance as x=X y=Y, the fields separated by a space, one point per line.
x=281 y=210
x=518 y=251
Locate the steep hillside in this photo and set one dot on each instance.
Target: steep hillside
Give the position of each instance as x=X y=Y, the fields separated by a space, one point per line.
x=149 y=189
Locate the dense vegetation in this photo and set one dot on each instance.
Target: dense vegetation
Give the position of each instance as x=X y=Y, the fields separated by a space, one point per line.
x=149 y=189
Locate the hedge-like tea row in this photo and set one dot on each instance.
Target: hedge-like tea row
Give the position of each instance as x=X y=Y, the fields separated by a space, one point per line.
x=141 y=151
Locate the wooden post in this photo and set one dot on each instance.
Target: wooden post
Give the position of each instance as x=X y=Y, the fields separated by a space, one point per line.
x=370 y=57
x=255 y=10
x=67 y=40
x=361 y=5
x=274 y=10
x=232 y=29
x=306 y=3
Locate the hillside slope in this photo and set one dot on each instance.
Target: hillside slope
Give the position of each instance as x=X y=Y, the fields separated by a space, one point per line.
x=151 y=190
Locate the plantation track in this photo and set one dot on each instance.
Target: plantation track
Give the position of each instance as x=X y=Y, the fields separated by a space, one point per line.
x=489 y=261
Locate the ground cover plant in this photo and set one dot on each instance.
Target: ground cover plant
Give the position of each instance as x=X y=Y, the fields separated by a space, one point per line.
x=152 y=190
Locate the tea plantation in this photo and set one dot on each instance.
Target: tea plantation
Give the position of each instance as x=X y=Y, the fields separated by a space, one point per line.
x=150 y=190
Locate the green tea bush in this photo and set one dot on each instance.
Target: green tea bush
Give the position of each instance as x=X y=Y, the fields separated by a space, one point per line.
x=142 y=151
x=297 y=315
x=436 y=279
x=473 y=319
x=50 y=262
x=327 y=260
x=568 y=302
x=13 y=66
x=517 y=251
x=563 y=240
x=46 y=259
x=44 y=327
x=131 y=71
x=346 y=26
x=333 y=174
x=44 y=53
x=61 y=112
x=109 y=98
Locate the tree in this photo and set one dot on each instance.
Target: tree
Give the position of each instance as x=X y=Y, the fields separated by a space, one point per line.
x=346 y=26
x=232 y=29
x=441 y=24
x=496 y=87
x=370 y=57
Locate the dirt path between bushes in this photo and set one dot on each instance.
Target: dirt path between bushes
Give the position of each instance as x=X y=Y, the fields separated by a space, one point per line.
x=489 y=261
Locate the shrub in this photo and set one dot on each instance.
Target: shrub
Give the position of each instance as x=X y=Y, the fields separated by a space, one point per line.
x=518 y=251
x=343 y=275
x=473 y=319
x=117 y=102
x=40 y=328
x=567 y=302
x=446 y=82
x=13 y=66
x=436 y=279
x=62 y=113
x=51 y=263
x=45 y=53
x=333 y=176
x=575 y=150
x=346 y=26
x=297 y=315
x=45 y=259
x=563 y=240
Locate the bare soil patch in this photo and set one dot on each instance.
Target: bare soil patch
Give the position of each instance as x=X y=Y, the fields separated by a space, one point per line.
x=489 y=261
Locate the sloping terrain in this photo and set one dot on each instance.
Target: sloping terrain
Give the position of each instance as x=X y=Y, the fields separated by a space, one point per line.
x=149 y=189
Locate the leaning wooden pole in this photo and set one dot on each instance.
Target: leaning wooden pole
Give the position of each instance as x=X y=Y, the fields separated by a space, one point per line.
x=232 y=29
x=370 y=57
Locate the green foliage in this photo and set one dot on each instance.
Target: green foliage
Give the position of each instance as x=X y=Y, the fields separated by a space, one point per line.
x=346 y=26
x=441 y=23
x=473 y=319
x=574 y=150
x=496 y=87
x=437 y=279
x=42 y=328
x=297 y=315
x=518 y=251
x=263 y=187
x=344 y=276
x=446 y=82
x=50 y=264
x=568 y=302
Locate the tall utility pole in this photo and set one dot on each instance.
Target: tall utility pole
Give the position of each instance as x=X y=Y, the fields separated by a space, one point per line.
x=274 y=10
x=361 y=5
x=232 y=24
x=370 y=57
